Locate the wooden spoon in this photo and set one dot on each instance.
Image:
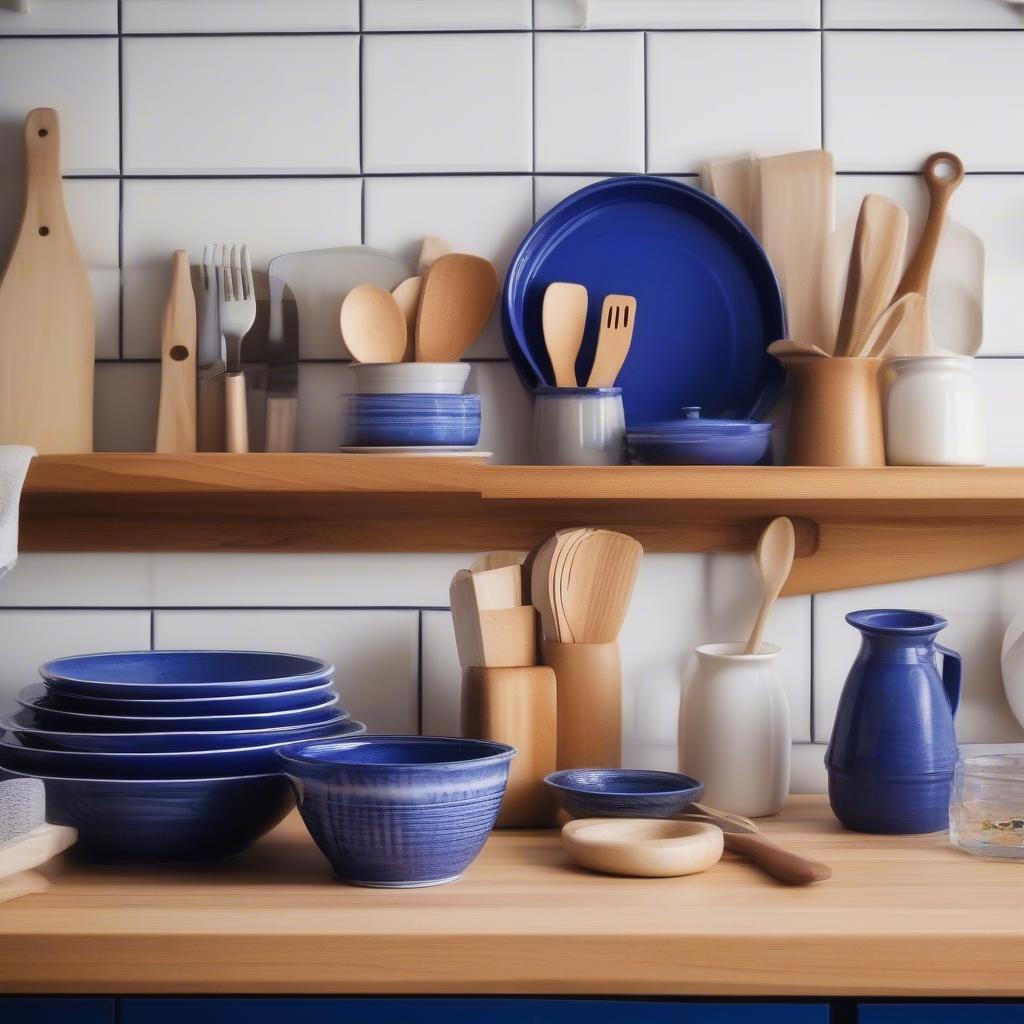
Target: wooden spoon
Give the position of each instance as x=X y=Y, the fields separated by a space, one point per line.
x=466 y=619
x=407 y=295
x=942 y=173
x=561 y=570
x=540 y=575
x=458 y=296
x=499 y=588
x=496 y=560
x=795 y=348
x=373 y=325
x=732 y=182
x=176 y=419
x=774 y=558
x=596 y=596
x=890 y=325
x=563 y=318
x=879 y=244
x=431 y=251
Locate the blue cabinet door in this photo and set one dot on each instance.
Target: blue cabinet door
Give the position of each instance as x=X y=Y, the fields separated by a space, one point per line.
x=33 y=1010
x=230 y=1010
x=940 y=1013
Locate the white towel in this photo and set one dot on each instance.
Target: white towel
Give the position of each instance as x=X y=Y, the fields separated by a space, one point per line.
x=14 y=460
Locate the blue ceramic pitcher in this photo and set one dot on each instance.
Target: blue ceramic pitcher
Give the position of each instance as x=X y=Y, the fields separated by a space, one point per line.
x=893 y=749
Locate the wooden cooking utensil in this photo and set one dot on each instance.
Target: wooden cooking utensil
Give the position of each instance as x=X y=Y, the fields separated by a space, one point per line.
x=568 y=543
x=431 y=251
x=733 y=181
x=407 y=295
x=890 y=325
x=618 y=316
x=176 y=419
x=498 y=588
x=458 y=296
x=795 y=348
x=373 y=325
x=942 y=173
x=774 y=558
x=466 y=619
x=508 y=636
x=47 y=313
x=540 y=594
x=595 y=597
x=797 y=203
x=876 y=259
x=563 y=318
x=742 y=836
x=496 y=560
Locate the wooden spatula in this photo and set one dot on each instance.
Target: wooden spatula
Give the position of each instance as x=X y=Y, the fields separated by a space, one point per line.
x=876 y=260
x=795 y=348
x=884 y=338
x=407 y=295
x=774 y=557
x=47 y=314
x=540 y=576
x=618 y=317
x=733 y=181
x=466 y=619
x=373 y=325
x=458 y=296
x=600 y=584
x=563 y=318
x=176 y=419
x=499 y=588
x=497 y=560
x=797 y=199
x=942 y=173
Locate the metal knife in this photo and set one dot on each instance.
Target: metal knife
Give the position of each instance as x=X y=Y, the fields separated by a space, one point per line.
x=282 y=369
x=210 y=425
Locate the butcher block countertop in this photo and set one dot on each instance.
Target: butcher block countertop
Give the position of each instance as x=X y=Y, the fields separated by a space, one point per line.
x=900 y=916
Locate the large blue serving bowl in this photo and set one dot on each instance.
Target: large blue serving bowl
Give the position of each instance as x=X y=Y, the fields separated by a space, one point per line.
x=398 y=811
x=24 y=727
x=623 y=792
x=147 y=821
x=46 y=716
x=140 y=675
x=180 y=764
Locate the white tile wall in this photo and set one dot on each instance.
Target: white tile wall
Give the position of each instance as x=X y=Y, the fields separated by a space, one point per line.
x=454 y=118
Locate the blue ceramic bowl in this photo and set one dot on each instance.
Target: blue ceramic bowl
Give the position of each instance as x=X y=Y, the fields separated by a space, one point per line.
x=286 y=700
x=23 y=726
x=166 y=820
x=398 y=811
x=141 y=675
x=743 y=448
x=623 y=792
x=182 y=764
x=411 y=420
x=46 y=716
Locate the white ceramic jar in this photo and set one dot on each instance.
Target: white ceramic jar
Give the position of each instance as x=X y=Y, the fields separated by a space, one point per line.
x=932 y=415
x=579 y=427
x=734 y=730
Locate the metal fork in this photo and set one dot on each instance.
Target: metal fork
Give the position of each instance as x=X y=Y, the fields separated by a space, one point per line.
x=237 y=312
x=210 y=357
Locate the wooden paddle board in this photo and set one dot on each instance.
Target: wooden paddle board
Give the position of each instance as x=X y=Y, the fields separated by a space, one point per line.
x=47 y=313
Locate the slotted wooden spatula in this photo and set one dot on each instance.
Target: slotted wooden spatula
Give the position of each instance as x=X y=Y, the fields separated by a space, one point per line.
x=47 y=314
x=618 y=315
x=176 y=419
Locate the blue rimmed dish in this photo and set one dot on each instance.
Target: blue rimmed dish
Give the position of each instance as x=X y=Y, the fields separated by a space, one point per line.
x=398 y=811
x=623 y=792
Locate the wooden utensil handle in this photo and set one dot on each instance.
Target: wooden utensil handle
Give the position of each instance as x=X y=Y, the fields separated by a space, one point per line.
x=940 y=189
x=210 y=436
x=42 y=144
x=236 y=417
x=782 y=864
x=281 y=415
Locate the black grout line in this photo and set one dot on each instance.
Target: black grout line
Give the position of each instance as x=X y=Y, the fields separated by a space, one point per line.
x=419 y=673
x=812 y=672
x=152 y=630
x=154 y=608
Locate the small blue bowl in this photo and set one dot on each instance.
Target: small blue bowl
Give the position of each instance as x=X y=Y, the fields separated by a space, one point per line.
x=46 y=716
x=184 y=707
x=23 y=726
x=411 y=420
x=141 y=675
x=623 y=792
x=398 y=811
x=147 y=821
x=180 y=764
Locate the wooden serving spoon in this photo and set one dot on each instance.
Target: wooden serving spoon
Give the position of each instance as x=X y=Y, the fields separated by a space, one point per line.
x=775 y=551
x=595 y=596
x=563 y=318
x=458 y=296
x=407 y=295
x=373 y=325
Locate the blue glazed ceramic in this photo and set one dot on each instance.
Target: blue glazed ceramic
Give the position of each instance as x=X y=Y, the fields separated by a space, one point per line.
x=169 y=820
x=186 y=764
x=22 y=725
x=398 y=811
x=893 y=750
x=46 y=716
x=708 y=303
x=401 y=420
x=692 y=441
x=623 y=792
x=140 y=675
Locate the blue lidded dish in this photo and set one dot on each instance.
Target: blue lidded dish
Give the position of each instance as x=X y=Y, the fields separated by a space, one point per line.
x=623 y=792
x=398 y=811
x=692 y=441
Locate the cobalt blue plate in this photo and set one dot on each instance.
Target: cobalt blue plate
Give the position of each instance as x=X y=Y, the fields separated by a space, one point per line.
x=623 y=792
x=138 y=675
x=708 y=303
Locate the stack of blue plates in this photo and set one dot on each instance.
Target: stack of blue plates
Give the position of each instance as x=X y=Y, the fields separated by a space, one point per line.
x=407 y=420
x=692 y=441
x=169 y=755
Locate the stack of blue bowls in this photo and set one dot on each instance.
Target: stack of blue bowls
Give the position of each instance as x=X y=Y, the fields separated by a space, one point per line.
x=412 y=421
x=159 y=756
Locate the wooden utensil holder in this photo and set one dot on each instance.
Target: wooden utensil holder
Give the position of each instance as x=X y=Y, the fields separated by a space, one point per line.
x=516 y=706
x=589 y=682
x=836 y=419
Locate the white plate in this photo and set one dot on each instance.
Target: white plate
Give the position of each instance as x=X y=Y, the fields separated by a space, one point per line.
x=423 y=451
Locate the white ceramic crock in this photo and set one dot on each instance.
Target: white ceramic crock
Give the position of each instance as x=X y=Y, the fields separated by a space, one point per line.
x=932 y=415
x=734 y=730
x=579 y=427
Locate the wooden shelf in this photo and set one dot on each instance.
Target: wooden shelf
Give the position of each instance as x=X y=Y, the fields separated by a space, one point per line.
x=854 y=526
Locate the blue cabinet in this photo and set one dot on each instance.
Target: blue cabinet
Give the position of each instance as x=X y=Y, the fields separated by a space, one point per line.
x=940 y=1013
x=38 y=1010
x=461 y=1011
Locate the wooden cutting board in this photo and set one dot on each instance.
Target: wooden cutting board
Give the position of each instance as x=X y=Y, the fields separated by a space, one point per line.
x=47 y=313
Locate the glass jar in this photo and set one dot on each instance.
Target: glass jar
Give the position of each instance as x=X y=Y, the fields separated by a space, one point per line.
x=986 y=810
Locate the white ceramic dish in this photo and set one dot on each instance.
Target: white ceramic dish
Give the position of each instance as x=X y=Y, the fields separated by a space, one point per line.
x=410 y=378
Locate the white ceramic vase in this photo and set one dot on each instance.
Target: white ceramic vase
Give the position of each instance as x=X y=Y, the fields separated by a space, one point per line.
x=1013 y=666
x=734 y=730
